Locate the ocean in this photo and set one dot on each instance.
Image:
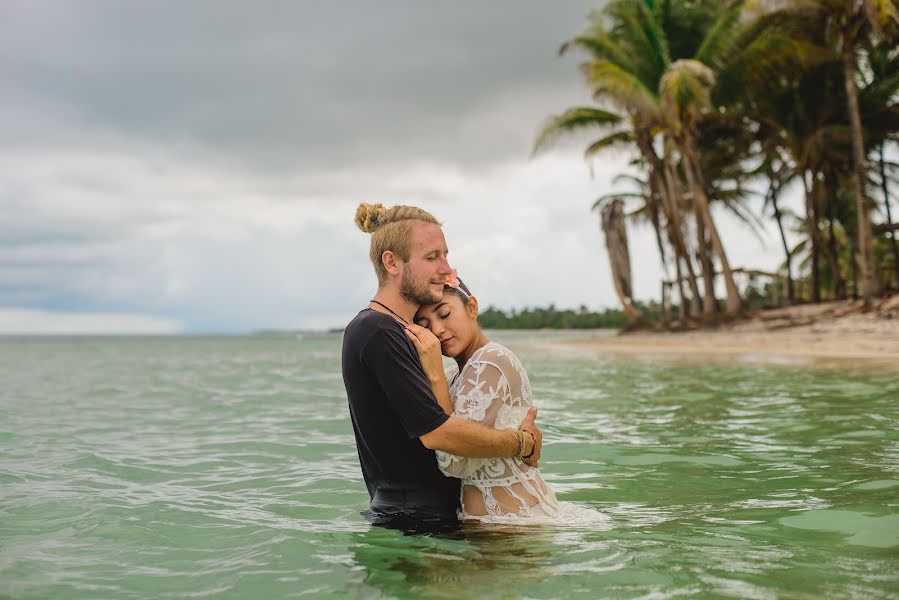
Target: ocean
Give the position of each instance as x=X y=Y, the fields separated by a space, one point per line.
x=225 y=467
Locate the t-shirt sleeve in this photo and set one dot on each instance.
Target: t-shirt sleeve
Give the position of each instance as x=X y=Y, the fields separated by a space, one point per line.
x=395 y=366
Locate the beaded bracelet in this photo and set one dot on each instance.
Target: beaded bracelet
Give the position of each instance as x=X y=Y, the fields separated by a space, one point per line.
x=520 y=451
x=533 y=448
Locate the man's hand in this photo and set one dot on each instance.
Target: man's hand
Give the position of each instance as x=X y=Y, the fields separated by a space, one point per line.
x=428 y=347
x=532 y=446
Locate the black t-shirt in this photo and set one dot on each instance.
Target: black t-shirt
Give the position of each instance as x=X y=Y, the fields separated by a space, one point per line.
x=391 y=405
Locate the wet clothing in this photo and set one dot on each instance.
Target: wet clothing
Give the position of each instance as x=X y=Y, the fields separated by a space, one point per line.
x=391 y=405
x=493 y=389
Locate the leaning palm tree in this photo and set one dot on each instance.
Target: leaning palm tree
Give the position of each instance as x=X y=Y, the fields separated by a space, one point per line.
x=657 y=205
x=628 y=55
x=645 y=207
x=613 y=227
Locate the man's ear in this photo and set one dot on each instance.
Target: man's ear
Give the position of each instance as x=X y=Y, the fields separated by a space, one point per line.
x=472 y=307
x=390 y=262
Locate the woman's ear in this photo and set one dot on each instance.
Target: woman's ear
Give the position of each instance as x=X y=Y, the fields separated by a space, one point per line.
x=472 y=307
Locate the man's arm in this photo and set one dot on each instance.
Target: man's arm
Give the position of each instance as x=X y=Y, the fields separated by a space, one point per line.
x=474 y=440
x=408 y=391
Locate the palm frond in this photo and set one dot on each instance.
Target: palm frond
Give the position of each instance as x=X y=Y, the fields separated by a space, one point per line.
x=719 y=42
x=633 y=24
x=571 y=121
x=617 y=138
x=597 y=42
x=611 y=82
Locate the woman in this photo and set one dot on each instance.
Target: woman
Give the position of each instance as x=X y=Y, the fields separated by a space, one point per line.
x=489 y=386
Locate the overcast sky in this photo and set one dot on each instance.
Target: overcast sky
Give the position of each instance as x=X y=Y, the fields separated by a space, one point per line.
x=195 y=166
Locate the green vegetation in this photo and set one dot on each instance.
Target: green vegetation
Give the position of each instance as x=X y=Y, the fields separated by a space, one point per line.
x=721 y=101
x=553 y=318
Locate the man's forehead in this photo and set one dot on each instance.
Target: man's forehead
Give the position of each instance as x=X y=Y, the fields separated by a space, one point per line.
x=429 y=235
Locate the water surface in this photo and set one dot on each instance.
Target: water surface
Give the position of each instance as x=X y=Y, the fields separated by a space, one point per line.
x=181 y=467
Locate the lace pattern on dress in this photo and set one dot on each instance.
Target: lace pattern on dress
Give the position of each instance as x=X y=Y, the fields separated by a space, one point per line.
x=493 y=389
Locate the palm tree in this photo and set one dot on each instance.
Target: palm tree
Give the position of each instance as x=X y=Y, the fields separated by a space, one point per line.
x=850 y=24
x=620 y=57
x=685 y=97
x=778 y=177
x=619 y=256
x=884 y=182
x=629 y=55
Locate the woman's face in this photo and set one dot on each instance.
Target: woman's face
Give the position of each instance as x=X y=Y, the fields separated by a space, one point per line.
x=453 y=322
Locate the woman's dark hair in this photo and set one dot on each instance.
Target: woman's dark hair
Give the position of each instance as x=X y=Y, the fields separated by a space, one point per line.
x=463 y=293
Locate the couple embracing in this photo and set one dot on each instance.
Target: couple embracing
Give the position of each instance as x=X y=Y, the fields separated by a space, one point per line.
x=435 y=446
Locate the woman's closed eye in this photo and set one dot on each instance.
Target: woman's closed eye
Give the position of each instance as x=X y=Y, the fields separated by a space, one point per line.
x=445 y=315
x=422 y=323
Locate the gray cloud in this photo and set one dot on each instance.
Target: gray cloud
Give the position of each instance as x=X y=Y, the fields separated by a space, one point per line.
x=295 y=85
x=198 y=164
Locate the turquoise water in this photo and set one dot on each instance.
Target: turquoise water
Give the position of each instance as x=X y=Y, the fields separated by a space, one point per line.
x=225 y=467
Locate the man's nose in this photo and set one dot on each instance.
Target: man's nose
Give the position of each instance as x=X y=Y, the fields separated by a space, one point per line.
x=445 y=268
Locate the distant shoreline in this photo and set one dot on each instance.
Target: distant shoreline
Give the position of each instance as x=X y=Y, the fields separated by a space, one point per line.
x=833 y=334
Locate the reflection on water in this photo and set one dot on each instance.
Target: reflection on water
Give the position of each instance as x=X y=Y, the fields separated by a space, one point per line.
x=496 y=560
x=182 y=467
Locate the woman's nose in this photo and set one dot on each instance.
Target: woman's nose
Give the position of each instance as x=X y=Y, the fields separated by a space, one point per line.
x=436 y=328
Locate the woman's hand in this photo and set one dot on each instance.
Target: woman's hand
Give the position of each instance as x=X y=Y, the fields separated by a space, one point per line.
x=428 y=347
x=533 y=438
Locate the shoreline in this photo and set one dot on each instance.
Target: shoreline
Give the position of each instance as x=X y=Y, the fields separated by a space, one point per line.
x=836 y=334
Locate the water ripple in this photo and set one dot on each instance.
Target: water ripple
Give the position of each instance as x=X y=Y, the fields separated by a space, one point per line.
x=226 y=467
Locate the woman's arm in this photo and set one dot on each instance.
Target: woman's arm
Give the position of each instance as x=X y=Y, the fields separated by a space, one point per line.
x=428 y=347
x=470 y=434
x=483 y=397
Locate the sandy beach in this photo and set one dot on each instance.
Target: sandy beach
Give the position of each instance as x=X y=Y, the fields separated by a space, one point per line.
x=827 y=334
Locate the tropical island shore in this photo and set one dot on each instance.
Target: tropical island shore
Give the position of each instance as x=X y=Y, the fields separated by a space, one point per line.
x=831 y=333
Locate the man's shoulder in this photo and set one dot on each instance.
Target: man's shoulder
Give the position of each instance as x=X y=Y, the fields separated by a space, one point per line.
x=369 y=322
x=371 y=326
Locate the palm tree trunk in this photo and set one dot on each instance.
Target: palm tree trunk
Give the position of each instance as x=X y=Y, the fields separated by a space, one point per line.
x=676 y=231
x=672 y=228
x=667 y=195
x=886 y=202
x=709 y=306
x=694 y=178
x=656 y=227
x=865 y=235
x=772 y=193
x=811 y=223
x=684 y=301
x=619 y=257
x=833 y=257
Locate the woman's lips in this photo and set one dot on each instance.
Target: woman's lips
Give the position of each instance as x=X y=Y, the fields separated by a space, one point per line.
x=446 y=341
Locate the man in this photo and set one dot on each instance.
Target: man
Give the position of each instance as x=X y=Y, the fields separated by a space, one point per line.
x=397 y=421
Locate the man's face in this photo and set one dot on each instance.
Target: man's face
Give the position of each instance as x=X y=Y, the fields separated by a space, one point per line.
x=427 y=269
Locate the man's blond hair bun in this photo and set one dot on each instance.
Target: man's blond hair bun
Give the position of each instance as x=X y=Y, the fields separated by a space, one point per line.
x=391 y=229
x=369 y=217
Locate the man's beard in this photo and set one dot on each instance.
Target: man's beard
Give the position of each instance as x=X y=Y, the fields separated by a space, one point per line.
x=408 y=291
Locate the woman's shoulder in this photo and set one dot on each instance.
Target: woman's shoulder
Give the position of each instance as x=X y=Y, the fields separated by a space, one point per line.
x=501 y=362
x=493 y=353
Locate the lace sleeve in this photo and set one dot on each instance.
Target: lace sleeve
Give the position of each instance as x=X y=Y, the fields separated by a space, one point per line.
x=493 y=390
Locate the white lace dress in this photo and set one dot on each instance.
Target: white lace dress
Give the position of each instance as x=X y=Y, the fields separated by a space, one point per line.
x=493 y=389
